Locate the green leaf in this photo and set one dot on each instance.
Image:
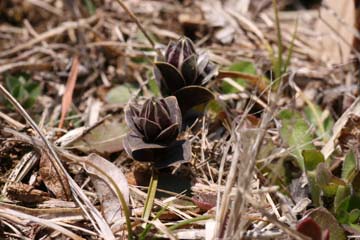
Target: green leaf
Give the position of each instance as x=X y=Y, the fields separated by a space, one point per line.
x=25 y=91
x=341 y=194
x=349 y=167
x=312 y=158
x=90 y=7
x=324 y=127
x=120 y=94
x=349 y=210
x=315 y=190
x=327 y=181
x=295 y=133
x=243 y=67
x=154 y=88
x=327 y=221
x=354 y=215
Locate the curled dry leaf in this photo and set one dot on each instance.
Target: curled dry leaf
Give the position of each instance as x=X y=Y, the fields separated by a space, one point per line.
x=110 y=204
x=54 y=180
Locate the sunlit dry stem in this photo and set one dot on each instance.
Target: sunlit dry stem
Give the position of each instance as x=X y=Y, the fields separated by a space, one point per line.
x=136 y=20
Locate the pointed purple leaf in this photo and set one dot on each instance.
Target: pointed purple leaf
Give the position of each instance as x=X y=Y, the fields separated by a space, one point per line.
x=130 y=112
x=191 y=96
x=138 y=150
x=162 y=115
x=169 y=134
x=150 y=129
x=174 y=110
x=171 y=78
x=179 y=152
x=188 y=70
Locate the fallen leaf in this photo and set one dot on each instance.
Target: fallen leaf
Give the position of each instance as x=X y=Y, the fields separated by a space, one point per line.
x=103 y=139
x=120 y=94
x=110 y=204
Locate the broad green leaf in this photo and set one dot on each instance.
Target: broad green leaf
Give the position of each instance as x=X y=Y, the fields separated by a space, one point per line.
x=295 y=133
x=327 y=181
x=243 y=67
x=341 y=194
x=314 y=115
x=315 y=190
x=23 y=89
x=349 y=167
x=312 y=158
x=348 y=209
x=120 y=94
x=154 y=88
x=354 y=215
x=327 y=221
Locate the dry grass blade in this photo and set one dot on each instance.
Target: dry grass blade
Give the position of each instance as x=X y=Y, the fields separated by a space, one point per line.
x=70 y=86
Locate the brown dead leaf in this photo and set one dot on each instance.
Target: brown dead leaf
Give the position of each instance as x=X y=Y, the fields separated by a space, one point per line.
x=70 y=85
x=110 y=204
x=54 y=181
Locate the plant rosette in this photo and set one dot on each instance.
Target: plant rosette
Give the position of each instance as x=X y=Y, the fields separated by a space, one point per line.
x=182 y=72
x=154 y=128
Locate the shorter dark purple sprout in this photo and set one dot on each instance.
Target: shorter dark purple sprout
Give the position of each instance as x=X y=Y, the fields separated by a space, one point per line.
x=183 y=69
x=312 y=229
x=154 y=128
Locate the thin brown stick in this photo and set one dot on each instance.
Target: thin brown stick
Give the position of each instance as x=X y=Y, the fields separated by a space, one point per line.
x=136 y=20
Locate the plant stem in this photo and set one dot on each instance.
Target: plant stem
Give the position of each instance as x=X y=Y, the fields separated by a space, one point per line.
x=149 y=225
x=150 y=195
x=189 y=221
x=279 y=67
